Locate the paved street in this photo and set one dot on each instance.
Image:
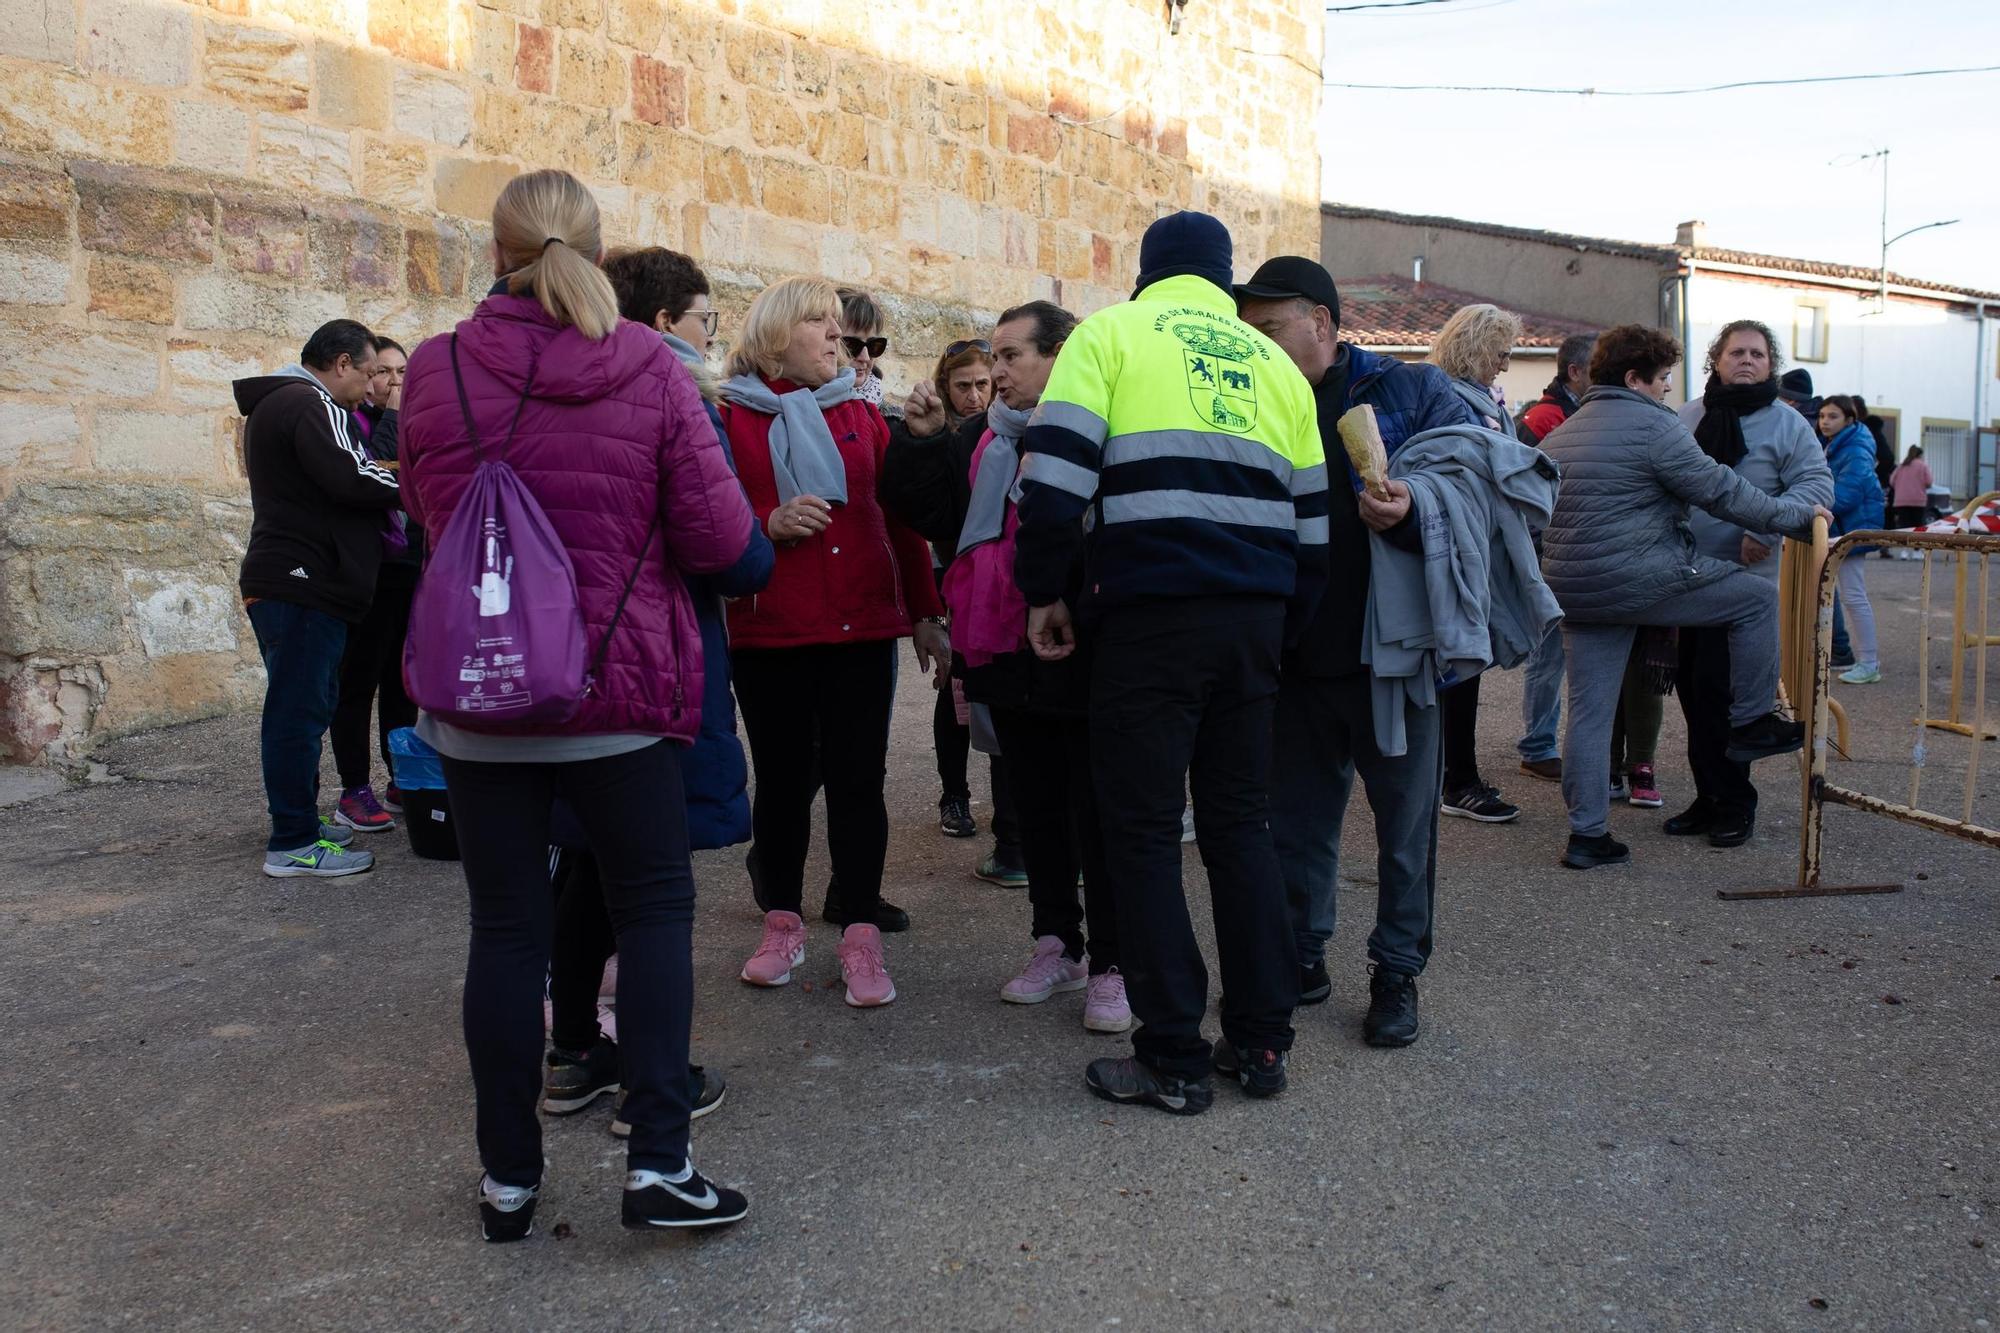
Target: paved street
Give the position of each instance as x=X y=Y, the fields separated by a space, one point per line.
x=240 y=1103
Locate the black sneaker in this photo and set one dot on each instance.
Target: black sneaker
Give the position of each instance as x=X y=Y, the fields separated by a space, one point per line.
x=1262 y=1073
x=1730 y=830
x=888 y=917
x=1769 y=735
x=1603 y=850
x=706 y=1092
x=955 y=818
x=689 y=1199
x=571 y=1082
x=1127 y=1080
x=506 y=1212
x=1314 y=984
x=1692 y=822
x=1480 y=803
x=1392 y=1008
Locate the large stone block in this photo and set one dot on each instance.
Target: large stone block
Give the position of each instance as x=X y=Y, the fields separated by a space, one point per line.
x=51 y=110
x=173 y=444
x=800 y=192
x=862 y=86
x=258 y=66
x=264 y=233
x=664 y=160
x=211 y=138
x=715 y=103
x=136 y=292
x=35 y=206
x=418 y=30
x=756 y=58
x=180 y=611
x=224 y=302
x=438 y=260
x=296 y=155
x=354 y=86
x=354 y=246
x=590 y=74
x=434 y=107
x=202 y=373
x=133 y=211
x=812 y=70
x=551 y=133
x=467 y=186
x=37 y=434
x=31 y=278
x=587 y=15
x=493 y=46
x=84 y=365
x=837 y=139
x=139 y=40
x=38 y=29
x=79 y=606
x=535 y=59
x=639 y=24
x=659 y=92
x=774 y=123
x=395 y=174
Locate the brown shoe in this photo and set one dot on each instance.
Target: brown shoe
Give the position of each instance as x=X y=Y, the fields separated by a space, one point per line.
x=1548 y=770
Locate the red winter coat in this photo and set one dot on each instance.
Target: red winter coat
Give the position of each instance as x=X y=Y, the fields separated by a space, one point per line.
x=862 y=579
x=613 y=432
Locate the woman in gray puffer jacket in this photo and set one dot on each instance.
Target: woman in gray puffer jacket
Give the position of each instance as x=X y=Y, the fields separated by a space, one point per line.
x=1618 y=554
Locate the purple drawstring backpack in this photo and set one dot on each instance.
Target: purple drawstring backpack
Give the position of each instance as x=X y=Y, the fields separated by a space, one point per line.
x=496 y=633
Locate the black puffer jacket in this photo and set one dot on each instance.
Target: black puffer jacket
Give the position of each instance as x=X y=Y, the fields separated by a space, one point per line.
x=1619 y=539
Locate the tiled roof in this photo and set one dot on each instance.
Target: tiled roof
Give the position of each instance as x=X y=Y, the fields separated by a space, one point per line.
x=1396 y=312
x=1659 y=253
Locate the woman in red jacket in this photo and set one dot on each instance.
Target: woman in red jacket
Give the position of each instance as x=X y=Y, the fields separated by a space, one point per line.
x=814 y=654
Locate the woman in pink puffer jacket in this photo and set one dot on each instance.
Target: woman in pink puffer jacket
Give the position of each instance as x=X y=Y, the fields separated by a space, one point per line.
x=610 y=436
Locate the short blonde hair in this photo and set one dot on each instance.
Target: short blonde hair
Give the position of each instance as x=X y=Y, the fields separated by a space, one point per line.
x=767 y=329
x=1474 y=341
x=546 y=226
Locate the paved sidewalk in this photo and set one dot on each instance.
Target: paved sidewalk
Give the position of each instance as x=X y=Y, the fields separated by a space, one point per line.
x=235 y=1102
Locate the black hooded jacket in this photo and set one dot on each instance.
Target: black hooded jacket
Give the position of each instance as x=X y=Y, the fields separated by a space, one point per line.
x=318 y=500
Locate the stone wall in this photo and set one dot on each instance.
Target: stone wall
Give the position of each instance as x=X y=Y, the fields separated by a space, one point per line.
x=186 y=190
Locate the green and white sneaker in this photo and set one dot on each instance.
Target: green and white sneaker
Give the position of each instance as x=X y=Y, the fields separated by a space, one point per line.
x=1863 y=675
x=337 y=834
x=322 y=859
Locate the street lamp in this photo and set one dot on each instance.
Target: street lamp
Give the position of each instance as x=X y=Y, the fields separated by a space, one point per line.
x=1888 y=241
x=1855 y=160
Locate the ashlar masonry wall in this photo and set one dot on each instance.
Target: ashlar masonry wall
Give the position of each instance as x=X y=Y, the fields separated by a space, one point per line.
x=188 y=189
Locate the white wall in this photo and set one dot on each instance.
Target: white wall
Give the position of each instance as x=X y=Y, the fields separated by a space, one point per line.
x=1916 y=359
x=1527 y=374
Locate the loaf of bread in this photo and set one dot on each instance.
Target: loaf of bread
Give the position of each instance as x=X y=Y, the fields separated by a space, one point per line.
x=1363 y=439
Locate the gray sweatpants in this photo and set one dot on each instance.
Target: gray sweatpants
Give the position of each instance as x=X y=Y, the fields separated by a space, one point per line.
x=1743 y=602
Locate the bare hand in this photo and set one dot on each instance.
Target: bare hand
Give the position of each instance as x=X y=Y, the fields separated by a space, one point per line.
x=1821 y=511
x=1381 y=515
x=933 y=647
x=1754 y=551
x=1049 y=632
x=796 y=520
x=923 y=411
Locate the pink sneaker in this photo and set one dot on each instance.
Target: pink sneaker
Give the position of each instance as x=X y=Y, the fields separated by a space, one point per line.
x=1646 y=788
x=782 y=949
x=862 y=967
x=1104 y=1007
x=1046 y=973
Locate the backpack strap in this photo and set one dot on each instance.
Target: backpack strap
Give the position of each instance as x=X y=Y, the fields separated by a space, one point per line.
x=465 y=404
x=604 y=644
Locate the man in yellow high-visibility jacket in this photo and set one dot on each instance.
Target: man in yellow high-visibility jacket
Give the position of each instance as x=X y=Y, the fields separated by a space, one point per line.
x=1190 y=440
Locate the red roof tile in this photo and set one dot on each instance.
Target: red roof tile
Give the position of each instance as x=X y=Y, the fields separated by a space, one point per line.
x=1397 y=312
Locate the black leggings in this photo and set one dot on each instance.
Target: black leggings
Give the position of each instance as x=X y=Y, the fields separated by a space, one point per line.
x=838 y=696
x=634 y=813
x=371 y=672
x=584 y=941
x=953 y=742
x=1055 y=802
x=1461 y=736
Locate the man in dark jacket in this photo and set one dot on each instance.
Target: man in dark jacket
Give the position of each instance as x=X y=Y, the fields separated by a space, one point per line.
x=320 y=504
x=1541 y=692
x=1325 y=729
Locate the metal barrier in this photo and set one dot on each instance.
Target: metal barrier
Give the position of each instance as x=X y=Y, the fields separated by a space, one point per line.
x=1817 y=791
x=1799 y=567
x=1962 y=640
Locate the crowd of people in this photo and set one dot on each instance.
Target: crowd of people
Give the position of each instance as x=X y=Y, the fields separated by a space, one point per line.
x=1136 y=555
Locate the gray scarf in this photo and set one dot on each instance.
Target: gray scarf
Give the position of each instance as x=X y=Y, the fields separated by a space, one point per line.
x=804 y=458
x=986 y=516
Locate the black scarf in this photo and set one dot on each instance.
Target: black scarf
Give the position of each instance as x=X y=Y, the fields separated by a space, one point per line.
x=1559 y=394
x=1720 y=433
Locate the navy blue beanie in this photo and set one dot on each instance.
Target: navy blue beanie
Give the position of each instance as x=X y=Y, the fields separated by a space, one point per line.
x=1186 y=243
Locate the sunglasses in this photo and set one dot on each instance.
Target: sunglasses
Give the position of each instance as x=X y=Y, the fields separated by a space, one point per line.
x=855 y=346
x=969 y=345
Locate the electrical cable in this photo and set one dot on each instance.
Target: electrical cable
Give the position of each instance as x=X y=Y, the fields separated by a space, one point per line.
x=1659 y=92
x=1384 y=4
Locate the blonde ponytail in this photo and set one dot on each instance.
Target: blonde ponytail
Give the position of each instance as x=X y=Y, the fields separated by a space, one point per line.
x=546 y=227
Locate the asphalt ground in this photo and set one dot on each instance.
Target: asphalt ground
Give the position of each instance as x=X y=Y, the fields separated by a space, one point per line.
x=234 y=1102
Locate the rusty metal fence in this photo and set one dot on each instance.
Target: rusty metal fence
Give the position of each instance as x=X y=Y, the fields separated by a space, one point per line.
x=1808 y=692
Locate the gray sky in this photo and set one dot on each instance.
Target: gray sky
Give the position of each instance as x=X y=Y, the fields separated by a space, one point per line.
x=1753 y=164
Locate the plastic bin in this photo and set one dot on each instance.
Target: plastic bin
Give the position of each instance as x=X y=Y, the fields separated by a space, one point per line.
x=416 y=764
x=427 y=818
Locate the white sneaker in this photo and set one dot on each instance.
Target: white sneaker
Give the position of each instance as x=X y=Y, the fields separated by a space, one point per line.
x=322 y=860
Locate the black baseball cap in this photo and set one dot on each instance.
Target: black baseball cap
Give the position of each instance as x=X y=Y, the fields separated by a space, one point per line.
x=1288 y=276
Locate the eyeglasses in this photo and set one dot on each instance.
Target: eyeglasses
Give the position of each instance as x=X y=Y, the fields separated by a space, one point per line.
x=969 y=345
x=874 y=346
x=711 y=320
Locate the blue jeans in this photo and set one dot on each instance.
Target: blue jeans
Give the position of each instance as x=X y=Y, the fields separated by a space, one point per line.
x=301 y=649
x=1542 y=699
x=1325 y=733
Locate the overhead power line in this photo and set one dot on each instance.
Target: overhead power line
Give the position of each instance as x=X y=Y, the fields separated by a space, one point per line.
x=1657 y=92
x=1384 y=4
